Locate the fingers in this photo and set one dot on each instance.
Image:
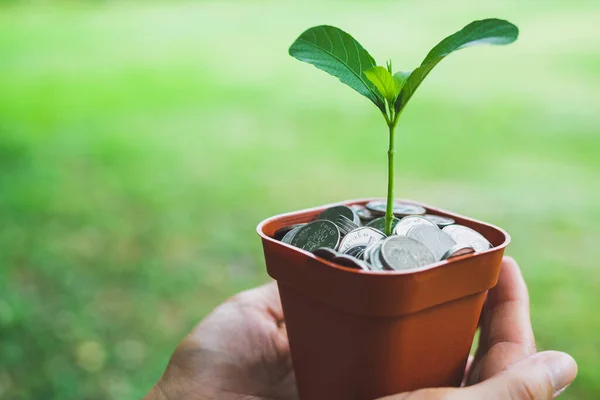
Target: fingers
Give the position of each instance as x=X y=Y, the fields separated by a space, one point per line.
x=506 y=333
x=508 y=308
x=431 y=394
x=539 y=377
x=542 y=376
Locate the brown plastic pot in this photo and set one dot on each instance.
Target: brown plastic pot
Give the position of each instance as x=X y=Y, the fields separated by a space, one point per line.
x=366 y=334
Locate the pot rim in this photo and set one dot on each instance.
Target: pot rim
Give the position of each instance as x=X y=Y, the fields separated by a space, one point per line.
x=362 y=201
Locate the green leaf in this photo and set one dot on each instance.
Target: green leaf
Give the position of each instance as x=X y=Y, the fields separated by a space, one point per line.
x=384 y=82
x=487 y=31
x=339 y=54
x=400 y=78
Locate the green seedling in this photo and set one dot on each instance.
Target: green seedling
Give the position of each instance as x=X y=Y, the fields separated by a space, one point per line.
x=339 y=54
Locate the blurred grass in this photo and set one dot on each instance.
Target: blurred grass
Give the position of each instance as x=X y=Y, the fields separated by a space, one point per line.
x=140 y=144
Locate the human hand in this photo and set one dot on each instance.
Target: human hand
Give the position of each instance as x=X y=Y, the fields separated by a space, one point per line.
x=506 y=366
x=239 y=351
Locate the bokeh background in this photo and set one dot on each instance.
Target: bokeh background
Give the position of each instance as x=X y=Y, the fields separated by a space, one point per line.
x=141 y=143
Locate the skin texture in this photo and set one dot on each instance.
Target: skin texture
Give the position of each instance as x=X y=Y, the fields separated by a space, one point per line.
x=240 y=351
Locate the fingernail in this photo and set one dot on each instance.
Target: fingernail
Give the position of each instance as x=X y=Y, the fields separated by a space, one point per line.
x=556 y=394
x=562 y=368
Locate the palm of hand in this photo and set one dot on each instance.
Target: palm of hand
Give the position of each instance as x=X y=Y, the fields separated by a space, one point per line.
x=240 y=351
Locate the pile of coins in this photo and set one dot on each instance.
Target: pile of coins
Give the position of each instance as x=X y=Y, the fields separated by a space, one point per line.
x=353 y=236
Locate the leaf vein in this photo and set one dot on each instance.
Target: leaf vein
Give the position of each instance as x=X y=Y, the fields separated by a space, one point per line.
x=359 y=60
x=358 y=75
x=328 y=38
x=343 y=46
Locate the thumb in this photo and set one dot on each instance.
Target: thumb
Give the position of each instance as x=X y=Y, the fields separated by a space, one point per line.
x=542 y=376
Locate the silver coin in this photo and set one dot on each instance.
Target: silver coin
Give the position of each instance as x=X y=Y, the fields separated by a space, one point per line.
x=463 y=235
x=368 y=253
x=458 y=250
x=360 y=254
x=332 y=213
x=437 y=241
x=359 y=236
x=401 y=253
x=408 y=222
x=320 y=233
x=439 y=220
x=345 y=224
x=379 y=224
x=281 y=232
x=356 y=207
x=365 y=215
x=400 y=209
x=376 y=260
x=349 y=261
x=287 y=238
x=356 y=251
x=326 y=253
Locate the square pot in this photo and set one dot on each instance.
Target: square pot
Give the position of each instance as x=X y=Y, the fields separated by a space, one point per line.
x=365 y=334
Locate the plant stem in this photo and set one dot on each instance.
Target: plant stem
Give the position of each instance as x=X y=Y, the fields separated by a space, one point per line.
x=389 y=210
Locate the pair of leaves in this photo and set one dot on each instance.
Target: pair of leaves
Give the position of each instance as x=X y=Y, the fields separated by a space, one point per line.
x=339 y=54
x=387 y=85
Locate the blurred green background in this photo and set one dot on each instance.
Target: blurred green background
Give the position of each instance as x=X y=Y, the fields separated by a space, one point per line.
x=141 y=143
